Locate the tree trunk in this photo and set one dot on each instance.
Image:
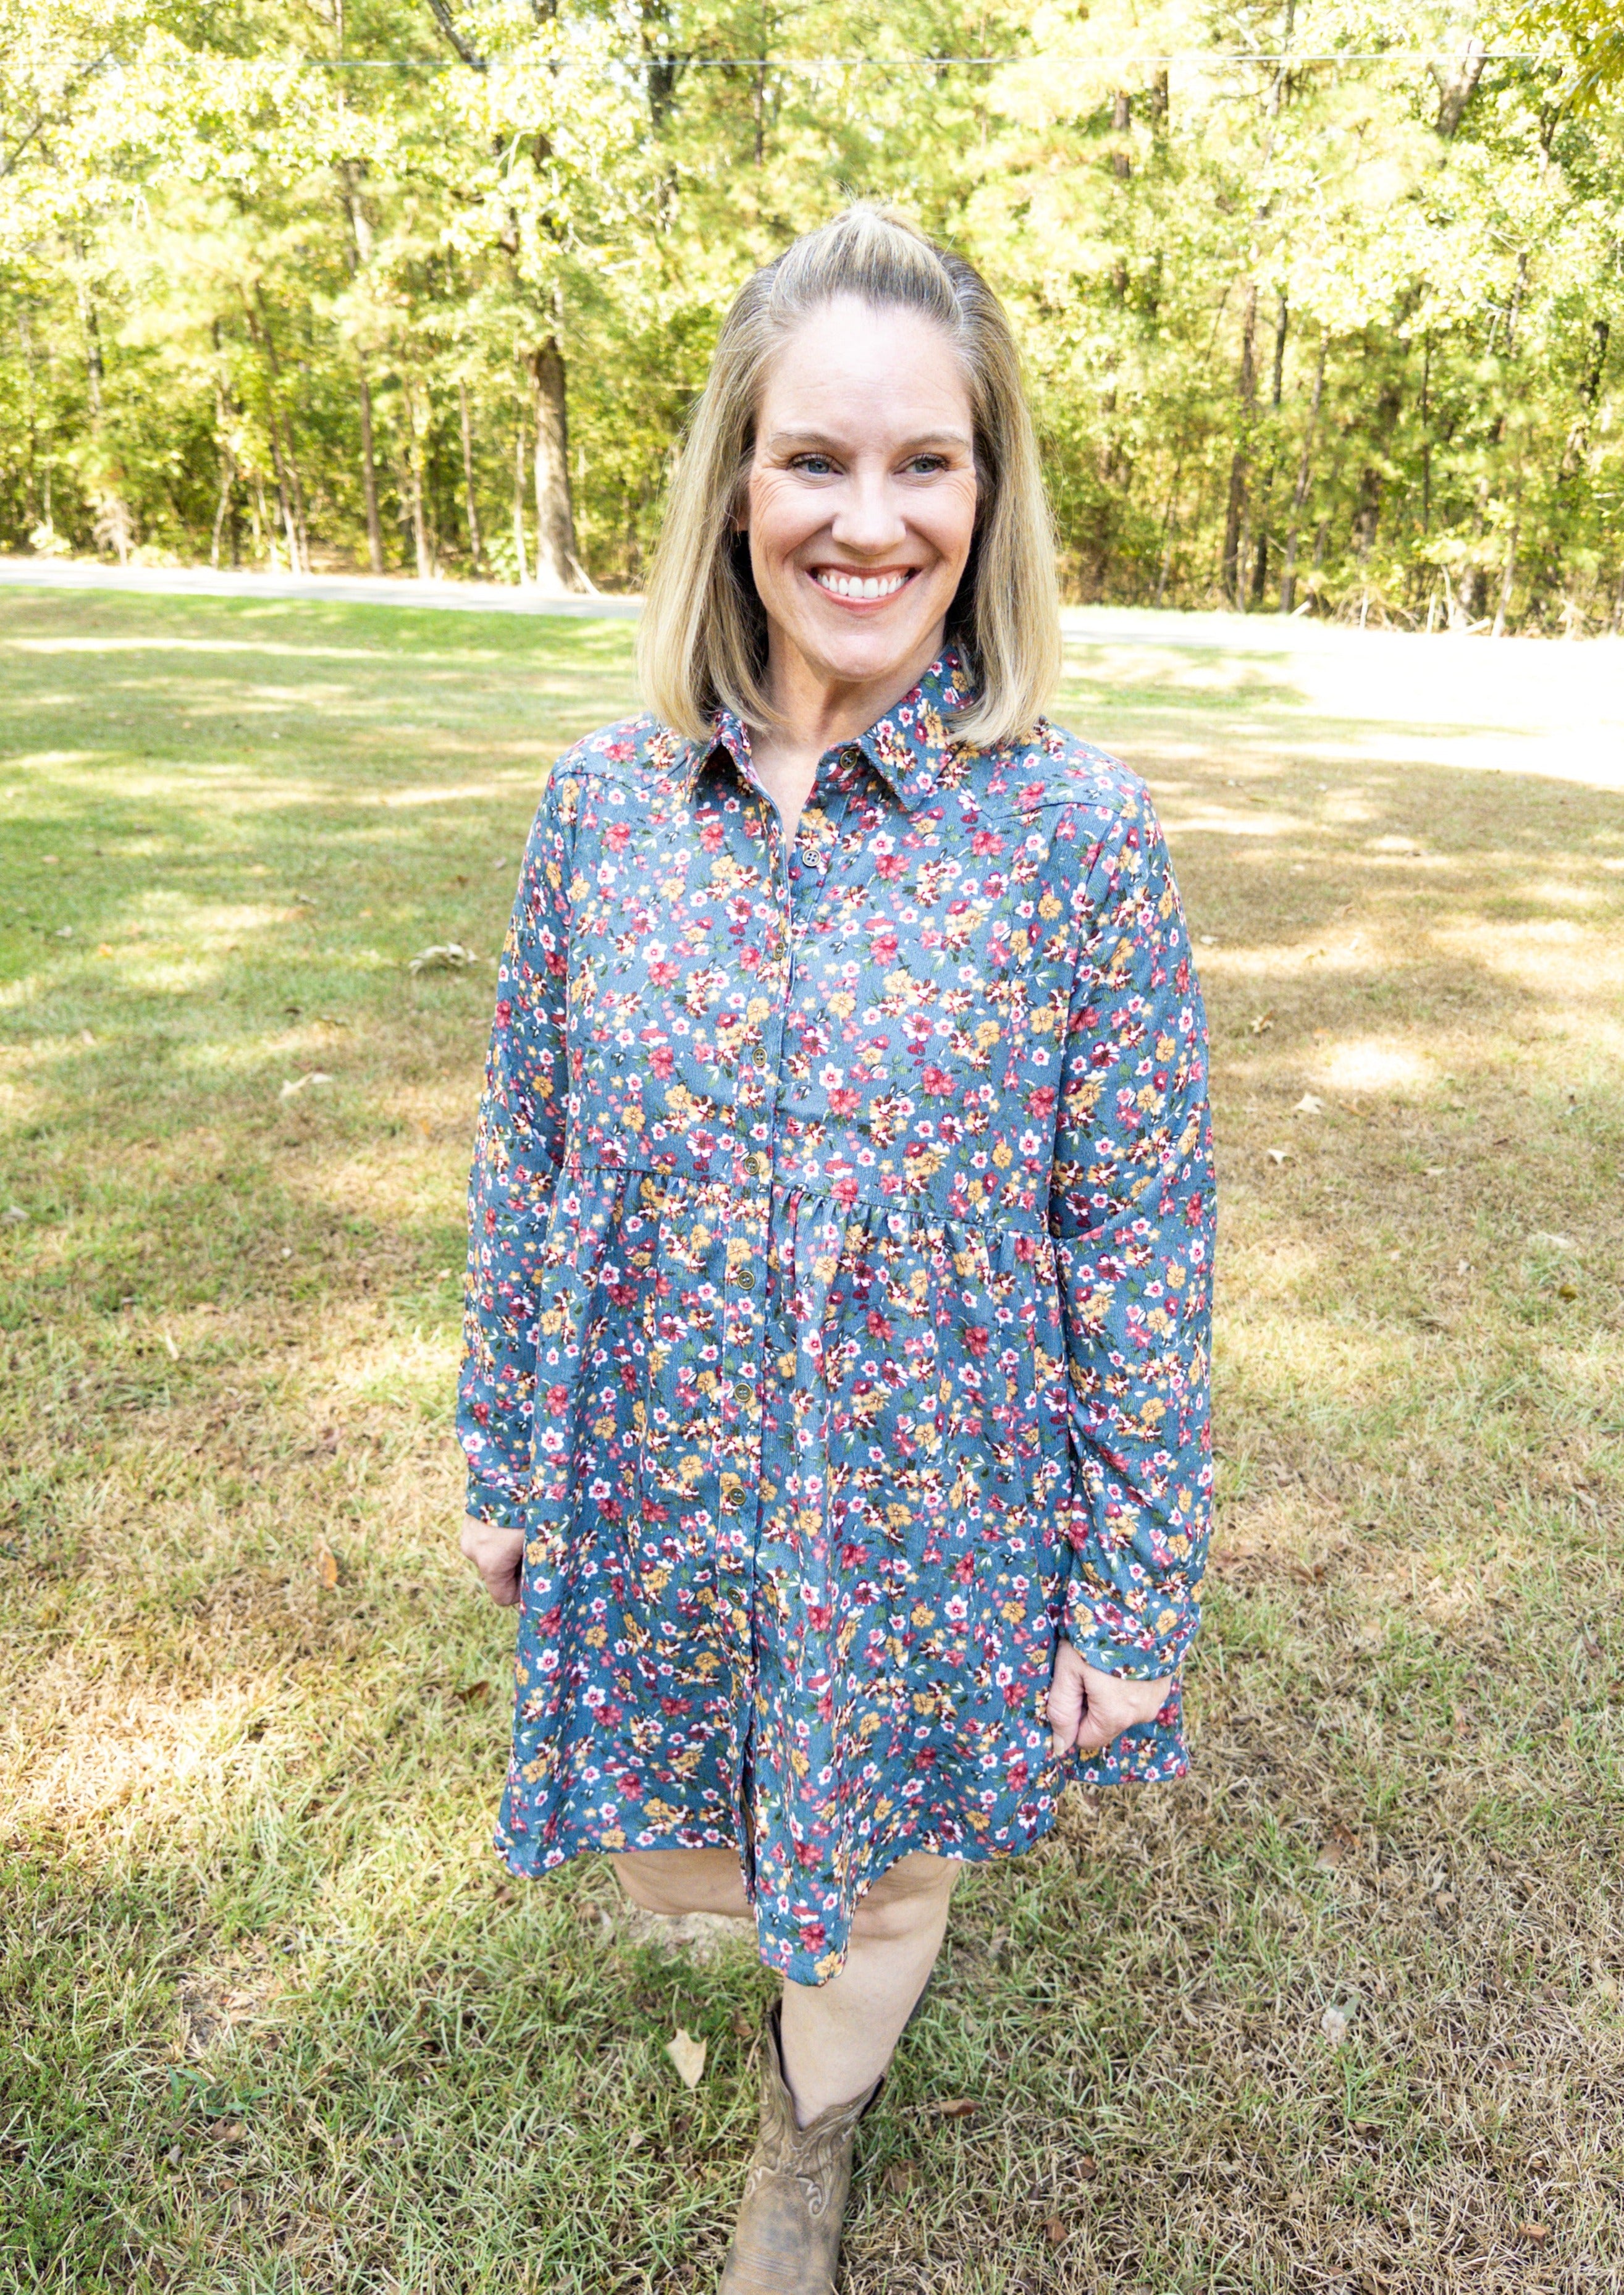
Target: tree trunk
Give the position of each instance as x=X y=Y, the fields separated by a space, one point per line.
x=1247 y=390
x=412 y=461
x=1455 y=93
x=1508 y=574
x=368 y=468
x=1373 y=478
x=521 y=546
x=556 y=567
x=1300 y=492
x=476 y=549
x=1121 y=123
x=30 y=505
x=281 y=441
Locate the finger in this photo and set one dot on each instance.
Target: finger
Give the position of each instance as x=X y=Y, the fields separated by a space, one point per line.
x=1063 y=1711
x=1101 y=1726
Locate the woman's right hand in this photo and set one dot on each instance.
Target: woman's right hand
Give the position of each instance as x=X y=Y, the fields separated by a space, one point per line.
x=498 y=1556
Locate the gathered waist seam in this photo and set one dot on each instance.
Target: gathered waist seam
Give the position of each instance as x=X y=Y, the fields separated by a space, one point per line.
x=572 y=1169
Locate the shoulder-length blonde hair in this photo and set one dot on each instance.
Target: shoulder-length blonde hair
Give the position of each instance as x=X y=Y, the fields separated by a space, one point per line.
x=703 y=639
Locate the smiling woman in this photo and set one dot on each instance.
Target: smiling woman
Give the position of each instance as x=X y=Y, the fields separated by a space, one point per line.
x=836 y=1389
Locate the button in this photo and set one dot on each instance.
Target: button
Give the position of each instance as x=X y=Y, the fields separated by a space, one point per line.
x=744 y=1280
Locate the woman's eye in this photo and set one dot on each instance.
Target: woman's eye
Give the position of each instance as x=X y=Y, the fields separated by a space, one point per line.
x=925 y=466
x=812 y=466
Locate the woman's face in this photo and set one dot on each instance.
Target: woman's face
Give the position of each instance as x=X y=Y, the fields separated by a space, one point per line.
x=860 y=502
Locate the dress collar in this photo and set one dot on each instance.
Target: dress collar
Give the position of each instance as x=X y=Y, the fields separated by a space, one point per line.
x=906 y=746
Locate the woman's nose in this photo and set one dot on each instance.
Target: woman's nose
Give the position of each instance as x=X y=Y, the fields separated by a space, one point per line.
x=868 y=517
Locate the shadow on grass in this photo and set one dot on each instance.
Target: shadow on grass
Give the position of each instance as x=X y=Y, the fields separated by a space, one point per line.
x=273 y=2019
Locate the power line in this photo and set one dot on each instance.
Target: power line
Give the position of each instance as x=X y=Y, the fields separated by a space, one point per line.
x=1192 y=56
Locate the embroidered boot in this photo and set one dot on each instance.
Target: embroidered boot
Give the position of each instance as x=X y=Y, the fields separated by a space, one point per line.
x=787 y=2240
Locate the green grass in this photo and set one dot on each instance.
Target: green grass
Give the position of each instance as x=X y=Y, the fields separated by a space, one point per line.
x=274 y=2020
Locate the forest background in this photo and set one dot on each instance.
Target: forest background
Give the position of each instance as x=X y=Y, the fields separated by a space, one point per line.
x=1322 y=302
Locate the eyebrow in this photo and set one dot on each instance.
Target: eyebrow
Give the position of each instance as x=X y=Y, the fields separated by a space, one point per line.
x=909 y=445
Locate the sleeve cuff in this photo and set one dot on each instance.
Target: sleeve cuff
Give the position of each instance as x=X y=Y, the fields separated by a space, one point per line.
x=498 y=1507
x=1105 y=1645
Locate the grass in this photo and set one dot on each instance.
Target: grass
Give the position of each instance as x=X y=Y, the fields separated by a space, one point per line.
x=272 y=2019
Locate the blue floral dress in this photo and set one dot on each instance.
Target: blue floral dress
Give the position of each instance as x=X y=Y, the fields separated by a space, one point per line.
x=840 y=1233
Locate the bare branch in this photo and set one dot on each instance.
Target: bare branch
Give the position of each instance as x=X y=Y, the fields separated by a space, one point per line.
x=466 y=51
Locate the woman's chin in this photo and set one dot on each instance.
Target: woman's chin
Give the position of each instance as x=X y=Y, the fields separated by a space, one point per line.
x=867 y=650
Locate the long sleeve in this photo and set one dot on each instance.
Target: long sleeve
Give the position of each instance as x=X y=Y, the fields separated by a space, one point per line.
x=518 y=1149
x=1132 y=1215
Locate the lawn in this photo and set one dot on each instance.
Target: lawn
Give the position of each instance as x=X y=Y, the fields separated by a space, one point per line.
x=1341 y=2012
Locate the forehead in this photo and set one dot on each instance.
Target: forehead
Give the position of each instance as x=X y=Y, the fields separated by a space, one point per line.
x=852 y=367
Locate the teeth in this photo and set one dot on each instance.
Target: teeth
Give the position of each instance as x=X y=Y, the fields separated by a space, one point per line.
x=861 y=585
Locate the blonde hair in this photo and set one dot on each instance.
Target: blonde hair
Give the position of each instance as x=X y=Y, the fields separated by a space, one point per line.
x=703 y=639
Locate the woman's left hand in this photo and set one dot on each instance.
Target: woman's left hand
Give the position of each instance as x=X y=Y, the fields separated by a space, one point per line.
x=1087 y=1708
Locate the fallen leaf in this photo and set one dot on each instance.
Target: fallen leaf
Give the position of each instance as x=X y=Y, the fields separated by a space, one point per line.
x=743 y=2024
x=1277 y=1155
x=175 y=1352
x=1341 y=1842
x=687 y=2055
x=1264 y=1021
x=327 y=1567
x=444 y=956
x=104 y=948
x=505 y=1895
x=300 y=1083
x=1057 y=2232
x=1553 y=1242
x=86 y=1038
x=1539 y=2232
x=1088 y=2168
x=1208 y=941
x=1334 y=2024
x=474 y=1693
x=64 y=932
x=14 y=1216
x=1435 y=1171
x=901 y=2175
x=955 y=2107
x=1309 y=1106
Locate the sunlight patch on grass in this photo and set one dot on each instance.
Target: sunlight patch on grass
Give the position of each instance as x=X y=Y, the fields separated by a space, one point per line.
x=1372 y=1064
x=258 y=1721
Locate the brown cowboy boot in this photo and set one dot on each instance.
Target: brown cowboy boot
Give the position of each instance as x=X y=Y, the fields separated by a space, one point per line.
x=787 y=2240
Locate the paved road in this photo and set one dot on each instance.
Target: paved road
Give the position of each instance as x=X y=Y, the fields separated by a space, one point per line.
x=351 y=588
x=1264 y=634
x=1506 y=704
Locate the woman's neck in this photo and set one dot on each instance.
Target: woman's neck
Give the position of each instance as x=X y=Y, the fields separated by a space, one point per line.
x=815 y=714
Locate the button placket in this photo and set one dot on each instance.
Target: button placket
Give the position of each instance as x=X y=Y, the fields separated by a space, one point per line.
x=744 y=1302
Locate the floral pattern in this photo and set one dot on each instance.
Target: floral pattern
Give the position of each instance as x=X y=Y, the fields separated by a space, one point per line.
x=841 y=1230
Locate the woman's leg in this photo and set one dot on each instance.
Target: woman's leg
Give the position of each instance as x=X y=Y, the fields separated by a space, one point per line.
x=839 y=2037
x=683 y=1881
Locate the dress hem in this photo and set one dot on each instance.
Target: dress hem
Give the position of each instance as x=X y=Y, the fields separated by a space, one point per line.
x=526 y=1865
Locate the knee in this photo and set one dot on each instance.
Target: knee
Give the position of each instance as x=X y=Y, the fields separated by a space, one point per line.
x=909 y=1899
x=673 y=1881
x=642 y=1879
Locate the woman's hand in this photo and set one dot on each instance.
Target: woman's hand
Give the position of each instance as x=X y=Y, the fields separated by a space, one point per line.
x=1087 y=1708
x=498 y=1556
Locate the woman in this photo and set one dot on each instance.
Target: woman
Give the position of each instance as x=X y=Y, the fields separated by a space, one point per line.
x=836 y=1393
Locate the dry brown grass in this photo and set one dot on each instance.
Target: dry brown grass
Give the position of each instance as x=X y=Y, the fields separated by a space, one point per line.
x=271 y=2019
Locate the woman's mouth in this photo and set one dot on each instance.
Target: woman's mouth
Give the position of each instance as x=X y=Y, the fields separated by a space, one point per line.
x=854 y=589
